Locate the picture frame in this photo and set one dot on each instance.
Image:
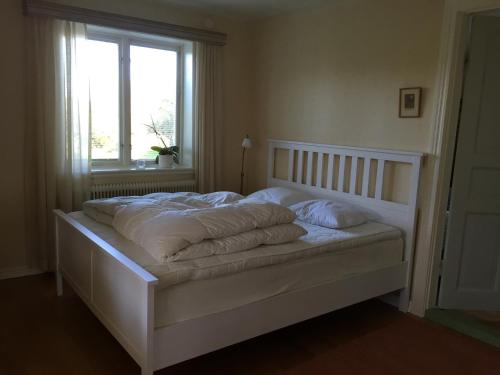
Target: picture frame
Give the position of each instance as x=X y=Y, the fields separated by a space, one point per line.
x=410 y=102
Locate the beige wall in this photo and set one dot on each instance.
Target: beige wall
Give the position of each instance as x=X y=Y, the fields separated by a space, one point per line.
x=12 y=85
x=332 y=75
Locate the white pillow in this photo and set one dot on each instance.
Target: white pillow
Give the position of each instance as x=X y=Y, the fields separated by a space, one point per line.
x=325 y=213
x=280 y=195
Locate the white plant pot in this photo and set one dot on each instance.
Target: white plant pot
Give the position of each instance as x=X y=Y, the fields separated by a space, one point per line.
x=165 y=161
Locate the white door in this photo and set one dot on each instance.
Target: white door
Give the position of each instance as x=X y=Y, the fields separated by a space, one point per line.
x=471 y=265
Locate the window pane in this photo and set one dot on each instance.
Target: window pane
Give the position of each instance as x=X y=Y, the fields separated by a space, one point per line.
x=153 y=80
x=104 y=99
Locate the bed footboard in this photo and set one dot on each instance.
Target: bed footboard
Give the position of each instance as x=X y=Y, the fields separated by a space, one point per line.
x=117 y=290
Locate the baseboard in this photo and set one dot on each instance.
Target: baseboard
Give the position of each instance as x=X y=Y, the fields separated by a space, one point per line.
x=14 y=272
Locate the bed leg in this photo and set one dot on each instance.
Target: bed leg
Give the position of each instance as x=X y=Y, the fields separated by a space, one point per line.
x=147 y=368
x=59 y=284
x=404 y=300
x=59 y=281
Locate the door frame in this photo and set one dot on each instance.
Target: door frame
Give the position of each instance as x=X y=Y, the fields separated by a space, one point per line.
x=454 y=38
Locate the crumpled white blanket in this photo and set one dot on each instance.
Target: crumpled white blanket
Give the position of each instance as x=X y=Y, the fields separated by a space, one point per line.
x=274 y=235
x=187 y=226
x=104 y=210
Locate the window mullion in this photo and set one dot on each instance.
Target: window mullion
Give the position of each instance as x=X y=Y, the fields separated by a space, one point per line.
x=179 y=121
x=126 y=120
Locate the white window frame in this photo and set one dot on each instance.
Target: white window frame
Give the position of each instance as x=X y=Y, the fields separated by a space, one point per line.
x=125 y=40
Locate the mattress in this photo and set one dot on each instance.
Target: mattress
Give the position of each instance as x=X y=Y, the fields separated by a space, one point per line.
x=373 y=246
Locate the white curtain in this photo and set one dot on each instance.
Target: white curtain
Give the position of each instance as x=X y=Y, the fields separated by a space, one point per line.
x=57 y=131
x=72 y=116
x=207 y=114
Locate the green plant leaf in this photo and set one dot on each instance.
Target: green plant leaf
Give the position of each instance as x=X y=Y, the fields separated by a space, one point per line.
x=172 y=150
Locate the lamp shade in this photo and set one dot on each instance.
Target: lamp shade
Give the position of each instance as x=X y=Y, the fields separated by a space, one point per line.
x=247 y=142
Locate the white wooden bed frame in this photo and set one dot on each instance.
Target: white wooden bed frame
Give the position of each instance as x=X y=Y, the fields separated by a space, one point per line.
x=122 y=294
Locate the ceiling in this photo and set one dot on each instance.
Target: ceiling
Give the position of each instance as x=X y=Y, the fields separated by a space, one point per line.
x=245 y=8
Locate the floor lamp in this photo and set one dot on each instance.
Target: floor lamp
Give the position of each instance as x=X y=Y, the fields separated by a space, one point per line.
x=247 y=143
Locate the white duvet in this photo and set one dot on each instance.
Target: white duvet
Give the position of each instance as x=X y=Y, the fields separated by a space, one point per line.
x=185 y=226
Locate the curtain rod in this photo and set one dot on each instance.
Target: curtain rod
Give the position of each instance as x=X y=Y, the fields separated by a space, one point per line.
x=95 y=17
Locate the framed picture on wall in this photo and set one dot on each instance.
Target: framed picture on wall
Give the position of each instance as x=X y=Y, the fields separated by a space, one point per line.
x=409 y=102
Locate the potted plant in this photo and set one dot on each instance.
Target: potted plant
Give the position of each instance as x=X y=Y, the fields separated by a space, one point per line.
x=167 y=156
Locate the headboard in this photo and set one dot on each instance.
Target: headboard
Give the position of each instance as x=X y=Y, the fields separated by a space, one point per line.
x=355 y=175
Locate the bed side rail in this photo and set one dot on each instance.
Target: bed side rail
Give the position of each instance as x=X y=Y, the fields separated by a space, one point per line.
x=118 y=291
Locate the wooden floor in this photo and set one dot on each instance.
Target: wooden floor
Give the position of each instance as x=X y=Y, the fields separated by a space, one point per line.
x=42 y=334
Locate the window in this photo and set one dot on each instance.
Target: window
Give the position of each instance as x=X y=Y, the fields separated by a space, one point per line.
x=137 y=80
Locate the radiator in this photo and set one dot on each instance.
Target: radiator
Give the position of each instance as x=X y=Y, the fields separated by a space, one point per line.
x=109 y=190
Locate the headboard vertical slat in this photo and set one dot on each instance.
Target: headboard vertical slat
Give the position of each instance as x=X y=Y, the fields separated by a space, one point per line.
x=271 y=156
x=329 y=176
x=354 y=175
x=366 y=177
x=309 y=168
x=340 y=185
x=319 y=170
x=414 y=182
x=291 y=155
x=300 y=161
x=379 y=183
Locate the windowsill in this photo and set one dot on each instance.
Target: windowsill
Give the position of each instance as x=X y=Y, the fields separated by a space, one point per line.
x=152 y=168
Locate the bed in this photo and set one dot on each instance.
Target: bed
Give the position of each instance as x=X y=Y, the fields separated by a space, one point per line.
x=162 y=325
